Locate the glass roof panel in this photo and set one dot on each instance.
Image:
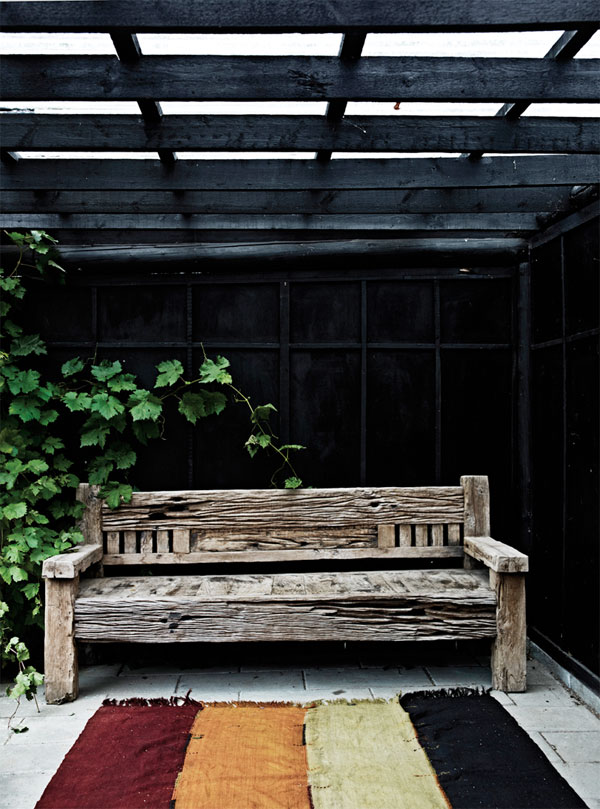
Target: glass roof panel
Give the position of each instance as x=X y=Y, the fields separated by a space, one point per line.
x=72 y=107
x=592 y=49
x=564 y=110
x=495 y=43
x=45 y=155
x=420 y=108
x=50 y=44
x=240 y=44
x=244 y=107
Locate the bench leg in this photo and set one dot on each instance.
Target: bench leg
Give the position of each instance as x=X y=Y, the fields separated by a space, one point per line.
x=60 y=653
x=509 y=661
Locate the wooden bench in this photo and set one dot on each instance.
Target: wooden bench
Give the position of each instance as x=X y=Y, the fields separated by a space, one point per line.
x=481 y=596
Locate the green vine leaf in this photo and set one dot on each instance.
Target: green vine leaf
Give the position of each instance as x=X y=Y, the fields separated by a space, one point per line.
x=106 y=370
x=170 y=372
x=107 y=405
x=25 y=407
x=195 y=406
x=76 y=402
x=122 y=382
x=144 y=406
x=23 y=381
x=215 y=371
x=27 y=344
x=116 y=493
x=292 y=483
x=73 y=366
x=262 y=413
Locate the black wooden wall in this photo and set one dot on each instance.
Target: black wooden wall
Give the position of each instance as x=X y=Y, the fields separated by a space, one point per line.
x=564 y=602
x=390 y=376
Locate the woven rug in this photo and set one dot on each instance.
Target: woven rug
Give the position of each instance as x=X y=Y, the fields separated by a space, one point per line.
x=430 y=750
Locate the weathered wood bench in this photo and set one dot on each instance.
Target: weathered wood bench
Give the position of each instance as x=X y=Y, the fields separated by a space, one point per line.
x=377 y=526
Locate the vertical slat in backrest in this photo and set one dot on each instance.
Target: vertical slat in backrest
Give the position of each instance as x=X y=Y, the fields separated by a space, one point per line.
x=160 y=524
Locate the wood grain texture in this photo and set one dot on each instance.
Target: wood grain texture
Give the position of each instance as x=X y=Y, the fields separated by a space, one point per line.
x=496 y=555
x=286 y=78
x=408 y=133
x=277 y=538
x=311 y=16
x=375 y=174
x=91 y=523
x=301 y=508
x=60 y=653
x=477 y=505
x=308 y=554
x=386 y=536
x=509 y=660
x=429 y=200
x=384 y=605
x=70 y=564
x=112 y=541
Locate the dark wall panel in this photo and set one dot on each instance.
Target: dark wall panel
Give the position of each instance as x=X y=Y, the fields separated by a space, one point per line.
x=400 y=312
x=236 y=313
x=133 y=313
x=479 y=312
x=477 y=425
x=325 y=312
x=325 y=408
x=564 y=603
x=400 y=417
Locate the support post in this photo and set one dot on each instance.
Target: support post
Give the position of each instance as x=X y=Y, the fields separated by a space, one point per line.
x=509 y=661
x=477 y=511
x=60 y=652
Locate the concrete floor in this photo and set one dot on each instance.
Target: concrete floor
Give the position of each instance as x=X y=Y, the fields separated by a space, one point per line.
x=565 y=729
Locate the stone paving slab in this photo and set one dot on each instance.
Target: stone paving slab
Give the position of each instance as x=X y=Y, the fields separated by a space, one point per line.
x=576 y=746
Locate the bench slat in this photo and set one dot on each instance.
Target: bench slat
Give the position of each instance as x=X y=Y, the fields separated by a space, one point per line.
x=382 y=605
x=305 y=554
x=300 y=508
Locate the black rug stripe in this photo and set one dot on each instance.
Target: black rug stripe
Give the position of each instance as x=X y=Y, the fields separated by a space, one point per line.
x=482 y=758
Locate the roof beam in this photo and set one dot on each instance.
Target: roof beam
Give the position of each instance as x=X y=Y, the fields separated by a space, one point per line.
x=304 y=78
x=409 y=133
x=385 y=201
x=349 y=55
x=264 y=16
x=221 y=221
x=138 y=257
x=563 y=50
x=376 y=174
x=129 y=52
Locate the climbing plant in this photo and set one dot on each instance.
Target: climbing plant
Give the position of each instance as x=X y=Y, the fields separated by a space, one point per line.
x=86 y=424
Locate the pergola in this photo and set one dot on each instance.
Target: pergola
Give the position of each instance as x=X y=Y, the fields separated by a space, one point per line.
x=543 y=169
x=440 y=264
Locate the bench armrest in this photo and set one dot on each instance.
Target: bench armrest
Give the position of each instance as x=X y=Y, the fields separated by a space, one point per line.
x=71 y=564
x=496 y=555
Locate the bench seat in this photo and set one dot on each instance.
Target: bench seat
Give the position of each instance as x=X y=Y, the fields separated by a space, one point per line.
x=402 y=563
x=338 y=606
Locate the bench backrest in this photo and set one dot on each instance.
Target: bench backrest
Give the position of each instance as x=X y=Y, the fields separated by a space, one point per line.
x=271 y=525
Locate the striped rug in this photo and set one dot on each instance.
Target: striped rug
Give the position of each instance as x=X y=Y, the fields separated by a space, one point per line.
x=426 y=751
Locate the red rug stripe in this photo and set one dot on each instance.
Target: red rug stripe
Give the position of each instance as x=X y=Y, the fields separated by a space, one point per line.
x=126 y=758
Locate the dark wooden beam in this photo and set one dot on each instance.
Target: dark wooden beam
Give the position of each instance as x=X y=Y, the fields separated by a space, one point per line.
x=569 y=222
x=308 y=133
x=376 y=174
x=221 y=221
x=129 y=52
x=563 y=50
x=255 y=16
x=138 y=257
x=349 y=54
x=307 y=78
x=451 y=200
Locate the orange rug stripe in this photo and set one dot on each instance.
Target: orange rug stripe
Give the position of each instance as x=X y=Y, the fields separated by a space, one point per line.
x=251 y=757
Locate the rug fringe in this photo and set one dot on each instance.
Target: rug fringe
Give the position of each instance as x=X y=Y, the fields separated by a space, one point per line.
x=143 y=702
x=458 y=691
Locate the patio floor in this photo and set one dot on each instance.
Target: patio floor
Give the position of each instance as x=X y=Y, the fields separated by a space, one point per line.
x=565 y=729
